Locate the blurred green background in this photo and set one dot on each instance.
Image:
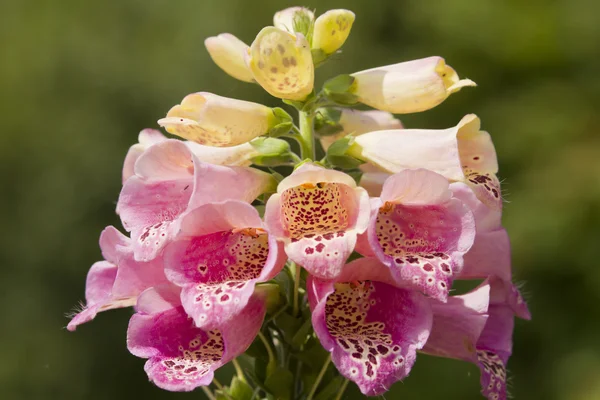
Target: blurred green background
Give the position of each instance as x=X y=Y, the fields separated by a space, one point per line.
x=79 y=80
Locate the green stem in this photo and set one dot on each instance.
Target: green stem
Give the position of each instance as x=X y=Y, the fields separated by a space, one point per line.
x=208 y=393
x=272 y=358
x=221 y=388
x=319 y=378
x=342 y=389
x=238 y=370
x=307 y=134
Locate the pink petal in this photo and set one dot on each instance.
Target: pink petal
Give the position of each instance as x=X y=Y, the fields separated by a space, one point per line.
x=114 y=244
x=371 y=343
x=416 y=187
x=146 y=138
x=181 y=356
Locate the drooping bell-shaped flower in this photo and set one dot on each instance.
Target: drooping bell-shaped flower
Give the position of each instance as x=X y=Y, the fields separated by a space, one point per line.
x=169 y=179
x=181 y=356
x=317 y=213
x=117 y=281
x=229 y=52
x=239 y=155
x=220 y=253
x=294 y=20
x=466 y=328
x=420 y=231
x=282 y=64
x=213 y=120
x=357 y=122
x=372 y=328
x=463 y=153
x=490 y=255
x=408 y=87
x=331 y=30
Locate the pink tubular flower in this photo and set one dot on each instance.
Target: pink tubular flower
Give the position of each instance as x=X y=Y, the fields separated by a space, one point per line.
x=116 y=282
x=317 y=213
x=478 y=328
x=220 y=253
x=181 y=356
x=490 y=254
x=463 y=153
x=169 y=179
x=420 y=231
x=372 y=328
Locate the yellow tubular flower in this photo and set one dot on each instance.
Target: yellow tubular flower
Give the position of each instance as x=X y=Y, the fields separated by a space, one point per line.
x=228 y=53
x=332 y=29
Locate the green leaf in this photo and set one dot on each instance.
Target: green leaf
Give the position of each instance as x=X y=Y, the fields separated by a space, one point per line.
x=274 y=299
x=313 y=355
x=302 y=335
x=329 y=391
x=289 y=325
x=339 y=84
x=240 y=390
x=280 y=383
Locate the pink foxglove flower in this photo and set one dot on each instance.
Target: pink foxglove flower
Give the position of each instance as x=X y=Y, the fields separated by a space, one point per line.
x=420 y=231
x=181 y=356
x=478 y=328
x=117 y=281
x=490 y=254
x=220 y=253
x=169 y=179
x=372 y=328
x=463 y=153
x=317 y=213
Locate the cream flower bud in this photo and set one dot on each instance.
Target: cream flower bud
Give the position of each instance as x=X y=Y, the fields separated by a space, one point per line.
x=228 y=53
x=213 y=120
x=408 y=87
x=282 y=63
x=331 y=30
x=294 y=19
x=357 y=122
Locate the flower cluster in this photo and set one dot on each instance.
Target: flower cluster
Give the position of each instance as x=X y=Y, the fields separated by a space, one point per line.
x=233 y=235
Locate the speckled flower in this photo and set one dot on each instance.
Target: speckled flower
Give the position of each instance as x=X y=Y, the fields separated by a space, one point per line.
x=117 y=281
x=490 y=254
x=220 y=253
x=331 y=30
x=318 y=213
x=372 y=328
x=169 y=179
x=408 y=87
x=478 y=328
x=420 y=231
x=181 y=356
x=239 y=155
x=213 y=120
x=294 y=19
x=282 y=64
x=463 y=153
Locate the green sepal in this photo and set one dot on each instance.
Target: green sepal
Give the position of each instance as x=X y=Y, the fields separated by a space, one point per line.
x=298 y=105
x=339 y=84
x=280 y=383
x=327 y=121
x=280 y=129
x=240 y=390
x=319 y=57
x=272 y=152
x=337 y=154
x=282 y=115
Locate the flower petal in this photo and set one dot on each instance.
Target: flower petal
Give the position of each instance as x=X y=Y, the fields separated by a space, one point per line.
x=227 y=51
x=371 y=343
x=146 y=138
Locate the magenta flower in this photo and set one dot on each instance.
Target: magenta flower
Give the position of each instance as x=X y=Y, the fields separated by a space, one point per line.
x=117 y=281
x=169 y=180
x=220 y=253
x=478 y=328
x=317 y=213
x=181 y=356
x=372 y=328
x=490 y=255
x=420 y=231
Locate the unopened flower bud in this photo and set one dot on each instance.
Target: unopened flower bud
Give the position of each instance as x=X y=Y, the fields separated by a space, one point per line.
x=282 y=64
x=331 y=30
x=408 y=87
x=294 y=20
x=213 y=120
x=228 y=53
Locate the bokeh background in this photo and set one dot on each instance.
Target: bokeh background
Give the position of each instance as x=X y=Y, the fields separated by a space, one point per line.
x=79 y=80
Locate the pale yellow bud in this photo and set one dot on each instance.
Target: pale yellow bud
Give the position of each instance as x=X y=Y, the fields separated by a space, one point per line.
x=228 y=52
x=213 y=120
x=294 y=19
x=408 y=87
x=282 y=63
x=331 y=30
x=357 y=122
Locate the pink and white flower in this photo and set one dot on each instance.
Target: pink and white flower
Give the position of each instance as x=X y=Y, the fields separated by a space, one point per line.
x=420 y=231
x=372 y=327
x=318 y=213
